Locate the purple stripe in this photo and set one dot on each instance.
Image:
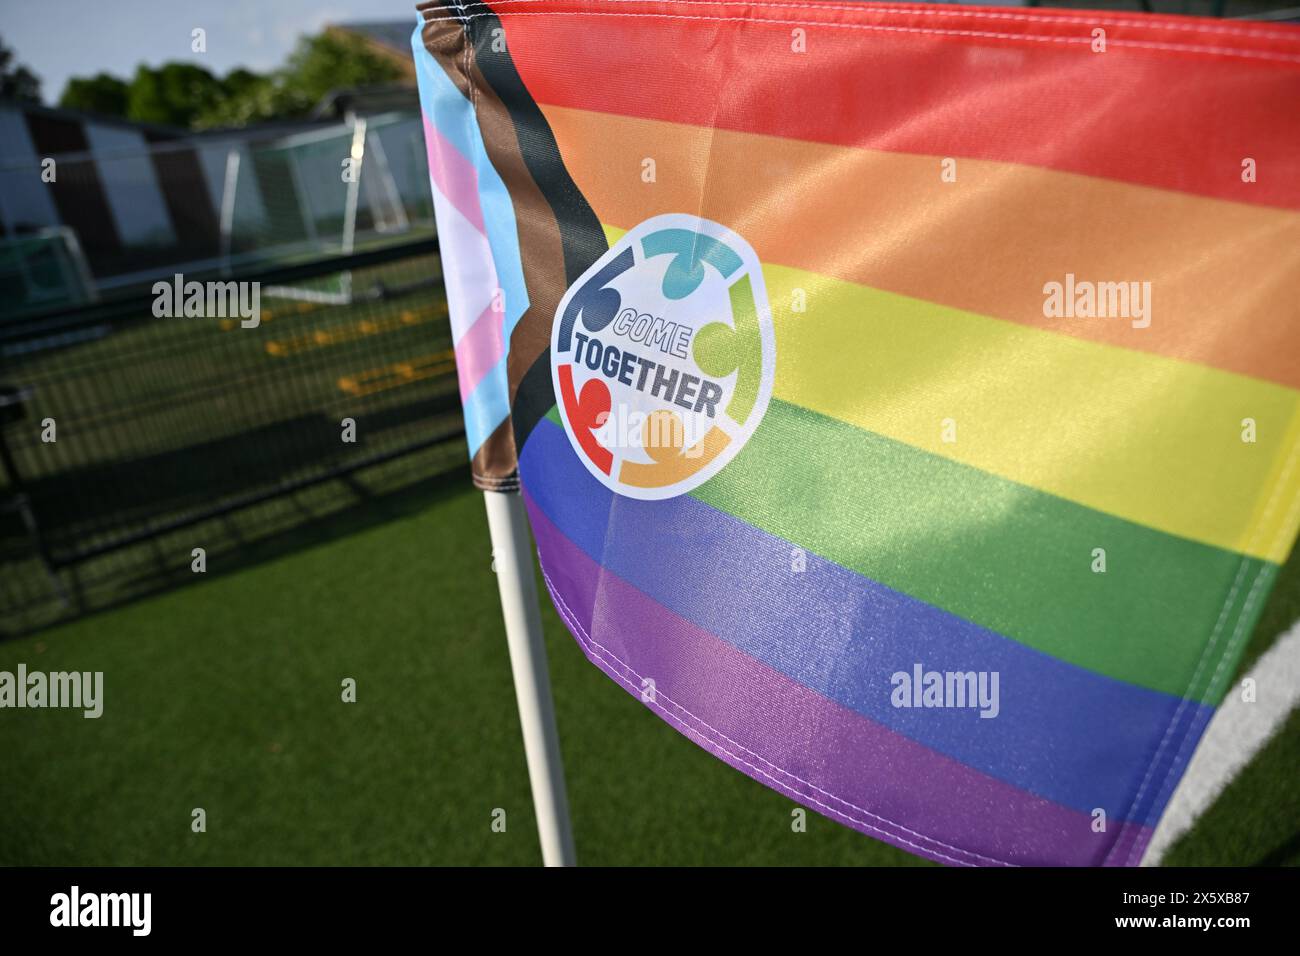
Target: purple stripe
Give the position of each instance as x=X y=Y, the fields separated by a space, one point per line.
x=798 y=742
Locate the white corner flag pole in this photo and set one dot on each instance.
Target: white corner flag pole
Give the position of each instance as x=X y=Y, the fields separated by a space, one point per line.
x=513 y=557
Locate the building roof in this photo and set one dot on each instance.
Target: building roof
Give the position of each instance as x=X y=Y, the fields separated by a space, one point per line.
x=394 y=35
x=156 y=130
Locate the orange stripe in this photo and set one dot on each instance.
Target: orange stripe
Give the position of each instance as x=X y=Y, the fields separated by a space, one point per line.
x=1225 y=277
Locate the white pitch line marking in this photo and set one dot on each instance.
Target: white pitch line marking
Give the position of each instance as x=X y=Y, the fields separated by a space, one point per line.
x=1237 y=732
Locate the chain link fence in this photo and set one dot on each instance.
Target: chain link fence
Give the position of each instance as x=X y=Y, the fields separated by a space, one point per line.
x=128 y=440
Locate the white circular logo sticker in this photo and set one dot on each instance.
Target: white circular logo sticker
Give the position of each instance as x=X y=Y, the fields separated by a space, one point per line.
x=663 y=356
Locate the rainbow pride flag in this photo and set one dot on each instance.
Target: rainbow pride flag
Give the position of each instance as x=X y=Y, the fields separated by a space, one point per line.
x=905 y=398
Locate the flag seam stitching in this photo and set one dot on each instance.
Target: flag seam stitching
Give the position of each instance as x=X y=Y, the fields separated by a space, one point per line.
x=1099 y=20
x=489 y=483
x=1238 y=634
x=982 y=34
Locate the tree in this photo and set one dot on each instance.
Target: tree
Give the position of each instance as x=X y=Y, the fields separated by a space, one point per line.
x=101 y=93
x=182 y=94
x=335 y=60
x=249 y=98
x=16 y=81
x=318 y=65
x=175 y=94
x=239 y=82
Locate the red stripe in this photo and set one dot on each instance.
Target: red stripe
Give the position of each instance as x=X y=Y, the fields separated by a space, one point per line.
x=1174 y=102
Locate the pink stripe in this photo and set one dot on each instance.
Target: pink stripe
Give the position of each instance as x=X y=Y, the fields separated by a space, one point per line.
x=479 y=349
x=453 y=175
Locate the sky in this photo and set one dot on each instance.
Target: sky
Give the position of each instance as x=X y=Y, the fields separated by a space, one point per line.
x=58 y=39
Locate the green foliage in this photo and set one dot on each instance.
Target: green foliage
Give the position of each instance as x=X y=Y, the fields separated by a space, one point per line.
x=240 y=81
x=16 y=81
x=182 y=94
x=330 y=61
x=250 y=99
x=333 y=61
x=101 y=93
x=173 y=94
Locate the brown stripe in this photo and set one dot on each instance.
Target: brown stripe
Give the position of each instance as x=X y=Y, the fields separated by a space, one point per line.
x=541 y=249
x=494 y=465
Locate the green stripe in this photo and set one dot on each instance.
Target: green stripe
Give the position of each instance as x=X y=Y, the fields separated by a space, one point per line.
x=1008 y=557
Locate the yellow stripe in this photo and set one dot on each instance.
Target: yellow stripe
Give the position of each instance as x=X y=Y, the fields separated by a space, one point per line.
x=1153 y=440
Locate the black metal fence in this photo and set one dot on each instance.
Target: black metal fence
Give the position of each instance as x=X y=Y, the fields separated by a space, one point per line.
x=126 y=436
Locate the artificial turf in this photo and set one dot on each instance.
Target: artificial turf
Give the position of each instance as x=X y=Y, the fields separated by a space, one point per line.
x=225 y=694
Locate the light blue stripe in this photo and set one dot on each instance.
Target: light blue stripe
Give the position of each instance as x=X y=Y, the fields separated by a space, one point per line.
x=487 y=406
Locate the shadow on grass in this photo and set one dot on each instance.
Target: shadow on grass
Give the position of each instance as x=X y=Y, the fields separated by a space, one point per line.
x=259 y=534
x=151 y=490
